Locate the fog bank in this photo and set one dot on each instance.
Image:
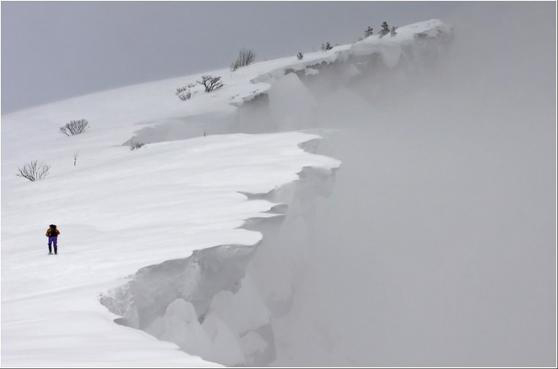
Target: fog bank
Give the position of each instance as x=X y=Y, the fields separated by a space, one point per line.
x=436 y=243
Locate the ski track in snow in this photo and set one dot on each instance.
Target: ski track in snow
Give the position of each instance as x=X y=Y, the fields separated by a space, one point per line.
x=120 y=210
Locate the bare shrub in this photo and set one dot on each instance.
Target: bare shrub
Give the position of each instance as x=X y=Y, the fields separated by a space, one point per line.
x=211 y=83
x=75 y=127
x=183 y=93
x=299 y=55
x=134 y=145
x=385 y=29
x=33 y=171
x=369 y=31
x=393 y=31
x=327 y=46
x=244 y=58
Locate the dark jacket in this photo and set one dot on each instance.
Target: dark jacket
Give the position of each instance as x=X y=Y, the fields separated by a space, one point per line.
x=52 y=232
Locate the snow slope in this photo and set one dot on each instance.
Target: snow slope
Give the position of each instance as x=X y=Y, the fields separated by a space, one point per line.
x=121 y=210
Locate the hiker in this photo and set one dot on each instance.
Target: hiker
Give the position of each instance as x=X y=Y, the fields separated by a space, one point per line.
x=52 y=234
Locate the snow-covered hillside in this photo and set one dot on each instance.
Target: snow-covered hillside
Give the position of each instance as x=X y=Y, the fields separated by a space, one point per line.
x=120 y=210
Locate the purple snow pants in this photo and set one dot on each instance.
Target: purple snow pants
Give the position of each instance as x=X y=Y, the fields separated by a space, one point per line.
x=52 y=241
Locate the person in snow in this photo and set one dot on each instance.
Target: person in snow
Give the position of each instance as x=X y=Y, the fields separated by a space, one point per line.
x=52 y=234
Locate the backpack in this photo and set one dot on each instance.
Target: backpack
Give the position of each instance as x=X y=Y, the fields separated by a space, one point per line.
x=53 y=231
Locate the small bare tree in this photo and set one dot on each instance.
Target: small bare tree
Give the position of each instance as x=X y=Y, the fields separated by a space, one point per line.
x=75 y=127
x=299 y=55
x=327 y=46
x=211 y=83
x=393 y=31
x=33 y=171
x=369 y=31
x=244 y=58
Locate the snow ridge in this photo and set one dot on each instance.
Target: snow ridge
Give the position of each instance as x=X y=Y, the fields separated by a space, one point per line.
x=121 y=210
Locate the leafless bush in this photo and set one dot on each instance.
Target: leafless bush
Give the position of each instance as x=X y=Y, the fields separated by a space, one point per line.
x=75 y=127
x=299 y=55
x=369 y=31
x=327 y=46
x=33 y=171
x=244 y=58
x=385 y=29
x=211 y=83
x=134 y=145
x=183 y=93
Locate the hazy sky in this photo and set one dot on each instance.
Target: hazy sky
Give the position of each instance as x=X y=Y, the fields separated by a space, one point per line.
x=56 y=50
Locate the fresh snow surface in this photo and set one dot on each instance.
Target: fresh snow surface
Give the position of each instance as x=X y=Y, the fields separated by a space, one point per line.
x=120 y=210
